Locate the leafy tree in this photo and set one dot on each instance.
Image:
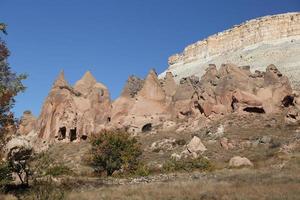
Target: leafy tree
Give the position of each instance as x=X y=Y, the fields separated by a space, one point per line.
x=10 y=86
x=5 y=175
x=115 y=150
x=18 y=162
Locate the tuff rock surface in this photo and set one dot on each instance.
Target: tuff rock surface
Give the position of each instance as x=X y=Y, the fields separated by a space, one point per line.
x=174 y=102
x=27 y=123
x=74 y=113
x=257 y=43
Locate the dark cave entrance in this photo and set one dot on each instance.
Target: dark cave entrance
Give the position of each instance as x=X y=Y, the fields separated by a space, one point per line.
x=254 y=110
x=73 y=134
x=288 y=101
x=147 y=128
x=62 y=133
x=84 y=137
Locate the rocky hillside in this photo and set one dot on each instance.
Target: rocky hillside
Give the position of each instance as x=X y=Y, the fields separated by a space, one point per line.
x=230 y=127
x=256 y=43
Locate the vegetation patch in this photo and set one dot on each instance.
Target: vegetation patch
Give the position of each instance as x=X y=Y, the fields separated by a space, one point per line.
x=115 y=151
x=188 y=165
x=59 y=170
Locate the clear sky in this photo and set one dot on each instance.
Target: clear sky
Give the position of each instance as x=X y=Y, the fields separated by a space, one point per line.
x=113 y=39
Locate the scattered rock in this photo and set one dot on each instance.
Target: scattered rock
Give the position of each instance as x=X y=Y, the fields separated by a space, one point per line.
x=238 y=161
x=265 y=140
x=226 y=144
x=164 y=145
x=195 y=145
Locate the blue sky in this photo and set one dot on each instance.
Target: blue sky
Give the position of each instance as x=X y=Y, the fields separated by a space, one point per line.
x=113 y=39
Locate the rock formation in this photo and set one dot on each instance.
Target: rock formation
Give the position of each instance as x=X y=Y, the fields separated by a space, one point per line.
x=27 y=123
x=73 y=113
x=146 y=108
x=257 y=43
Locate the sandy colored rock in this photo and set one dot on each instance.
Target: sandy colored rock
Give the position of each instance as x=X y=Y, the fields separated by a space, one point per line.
x=147 y=109
x=238 y=161
x=255 y=43
x=27 y=123
x=195 y=145
x=71 y=114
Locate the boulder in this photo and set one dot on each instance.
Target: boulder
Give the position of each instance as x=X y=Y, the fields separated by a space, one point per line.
x=195 y=145
x=238 y=161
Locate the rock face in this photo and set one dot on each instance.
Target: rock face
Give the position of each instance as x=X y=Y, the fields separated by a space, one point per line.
x=145 y=106
x=73 y=113
x=257 y=43
x=27 y=123
x=232 y=89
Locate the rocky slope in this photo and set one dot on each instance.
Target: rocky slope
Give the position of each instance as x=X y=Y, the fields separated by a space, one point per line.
x=72 y=114
x=257 y=43
x=178 y=102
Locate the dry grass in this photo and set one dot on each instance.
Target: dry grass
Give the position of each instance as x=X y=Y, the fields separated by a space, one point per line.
x=228 y=184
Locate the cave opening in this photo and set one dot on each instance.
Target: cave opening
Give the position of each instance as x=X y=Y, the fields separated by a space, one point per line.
x=73 y=134
x=62 y=133
x=288 y=101
x=84 y=137
x=254 y=110
x=147 y=127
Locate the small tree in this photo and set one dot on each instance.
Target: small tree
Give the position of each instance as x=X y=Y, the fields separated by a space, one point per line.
x=5 y=175
x=115 y=150
x=10 y=86
x=18 y=162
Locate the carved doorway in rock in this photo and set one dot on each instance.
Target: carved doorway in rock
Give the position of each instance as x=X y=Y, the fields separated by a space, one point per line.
x=73 y=134
x=62 y=133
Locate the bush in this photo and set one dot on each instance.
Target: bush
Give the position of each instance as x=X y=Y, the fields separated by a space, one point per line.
x=5 y=175
x=200 y=163
x=115 y=150
x=18 y=158
x=142 y=170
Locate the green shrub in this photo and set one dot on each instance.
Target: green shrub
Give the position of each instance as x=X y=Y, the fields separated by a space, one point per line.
x=59 y=170
x=200 y=163
x=115 y=150
x=142 y=170
x=5 y=175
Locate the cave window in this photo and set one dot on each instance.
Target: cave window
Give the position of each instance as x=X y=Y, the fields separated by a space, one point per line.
x=62 y=133
x=254 y=110
x=108 y=119
x=73 y=135
x=233 y=103
x=84 y=137
x=147 y=127
x=288 y=101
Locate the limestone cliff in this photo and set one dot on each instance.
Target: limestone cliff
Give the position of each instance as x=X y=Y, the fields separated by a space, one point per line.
x=257 y=43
